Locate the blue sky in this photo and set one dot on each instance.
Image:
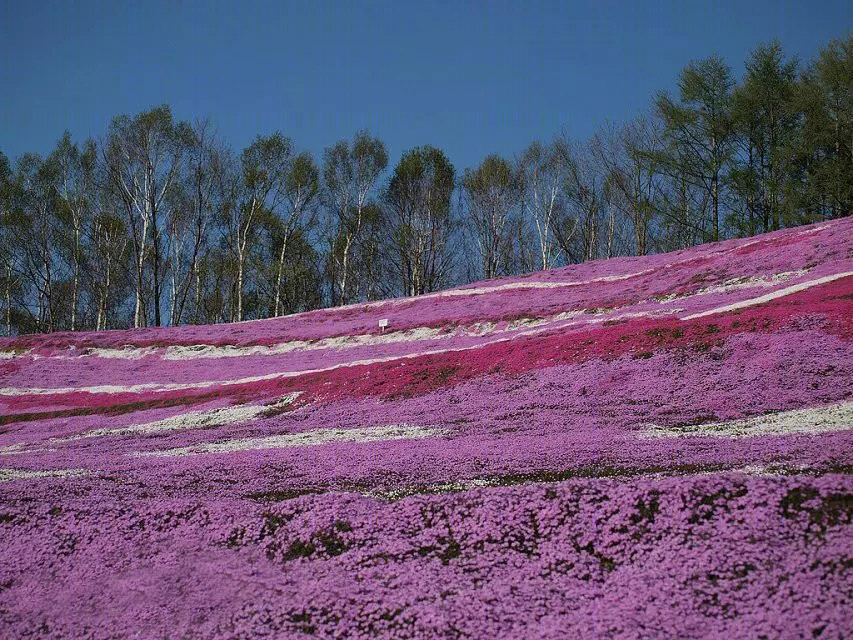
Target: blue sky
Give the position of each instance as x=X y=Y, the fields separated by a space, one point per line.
x=472 y=78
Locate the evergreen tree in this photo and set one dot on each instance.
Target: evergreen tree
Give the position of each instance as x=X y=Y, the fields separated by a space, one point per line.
x=765 y=123
x=699 y=131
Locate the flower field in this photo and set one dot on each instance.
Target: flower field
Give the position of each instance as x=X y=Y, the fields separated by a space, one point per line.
x=649 y=447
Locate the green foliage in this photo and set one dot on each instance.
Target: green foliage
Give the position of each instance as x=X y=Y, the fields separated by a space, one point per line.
x=417 y=202
x=699 y=133
x=765 y=122
x=823 y=148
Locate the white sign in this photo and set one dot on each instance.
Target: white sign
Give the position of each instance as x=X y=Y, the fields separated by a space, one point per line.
x=383 y=323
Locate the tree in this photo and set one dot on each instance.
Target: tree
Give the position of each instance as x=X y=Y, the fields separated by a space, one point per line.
x=699 y=130
x=585 y=203
x=192 y=212
x=632 y=181
x=418 y=209
x=76 y=185
x=765 y=124
x=834 y=72
x=350 y=174
x=35 y=229
x=300 y=190
x=265 y=165
x=823 y=150
x=301 y=282
x=492 y=192
x=543 y=172
x=106 y=262
x=10 y=254
x=143 y=156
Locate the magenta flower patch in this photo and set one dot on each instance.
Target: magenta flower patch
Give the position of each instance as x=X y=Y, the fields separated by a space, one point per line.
x=635 y=448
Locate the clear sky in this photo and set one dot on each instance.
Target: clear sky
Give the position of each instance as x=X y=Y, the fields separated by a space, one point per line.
x=472 y=78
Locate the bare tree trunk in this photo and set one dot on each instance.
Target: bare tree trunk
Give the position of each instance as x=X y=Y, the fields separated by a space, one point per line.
x=610 y=232
x=592 y=235
x=280 y=272
x=138 y=315
x=197 y=294
x=345 y=268
x=192 y=271
x=242 y=239
x=76 y=275
x=716 y=203
x=103 y=300
x=156 y=247
x=48 y=287
x=347 y=247
x=138 y=319
x=641 y=231
x=240 y=285
x=715 y=197
x=173 y=298
x=9 y=300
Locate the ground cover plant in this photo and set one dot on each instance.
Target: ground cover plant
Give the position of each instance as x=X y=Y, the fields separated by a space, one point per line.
x=635 y=448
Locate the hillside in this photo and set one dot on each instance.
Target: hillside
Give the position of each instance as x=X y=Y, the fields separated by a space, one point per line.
x=640 y=447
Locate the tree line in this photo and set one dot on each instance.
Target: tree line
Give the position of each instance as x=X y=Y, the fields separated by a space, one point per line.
x=161 y=222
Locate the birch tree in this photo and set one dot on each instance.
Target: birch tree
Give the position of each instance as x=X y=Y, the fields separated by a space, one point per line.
x=350 y=175
x=300 y=190
x=264 y=165
x=108 y=251
x=36 y=231
x=543 y=173
x=144 y=159
x=584 y=202
x=191 y=215
x=77 y=190
x=417 y=202
x=822 y=179
x=10 y=254
x=492 y=193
